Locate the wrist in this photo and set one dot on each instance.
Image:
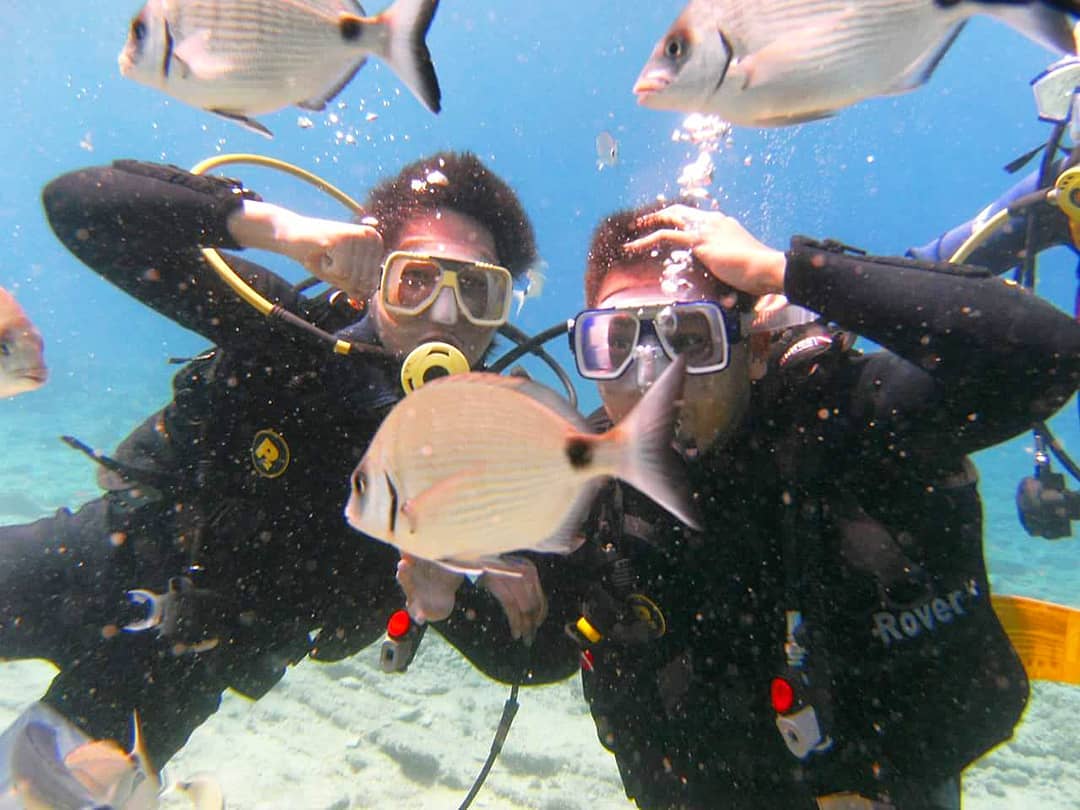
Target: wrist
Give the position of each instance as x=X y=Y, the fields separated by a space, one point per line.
x=774 y=272
x=264 y=226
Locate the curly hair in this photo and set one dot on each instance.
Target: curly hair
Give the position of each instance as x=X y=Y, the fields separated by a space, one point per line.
x=471 y=188
x=606 y=251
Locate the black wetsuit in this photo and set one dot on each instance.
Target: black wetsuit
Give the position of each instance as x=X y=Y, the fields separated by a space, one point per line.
x=846 y=496
x=238 y=484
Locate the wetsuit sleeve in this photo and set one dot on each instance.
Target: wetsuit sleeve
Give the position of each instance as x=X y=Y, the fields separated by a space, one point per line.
x=1004 y=249
x=975 y=359
x=140 y=226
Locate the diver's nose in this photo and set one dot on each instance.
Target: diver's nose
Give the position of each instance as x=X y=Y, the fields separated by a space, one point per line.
x=445 y=309
x=649 y=363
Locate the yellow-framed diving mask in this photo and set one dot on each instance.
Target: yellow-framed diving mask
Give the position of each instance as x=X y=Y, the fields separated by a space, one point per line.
x=412 y=282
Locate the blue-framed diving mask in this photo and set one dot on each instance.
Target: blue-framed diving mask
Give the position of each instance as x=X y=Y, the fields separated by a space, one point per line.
x=605 y=342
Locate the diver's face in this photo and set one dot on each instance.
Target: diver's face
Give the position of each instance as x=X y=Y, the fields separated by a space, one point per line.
x=452 y=235
x=713 y=404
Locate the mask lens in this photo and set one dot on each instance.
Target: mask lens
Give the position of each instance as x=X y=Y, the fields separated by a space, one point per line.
x=484 y=293
x=693 y=331
x=411 y=284
x=605 y=343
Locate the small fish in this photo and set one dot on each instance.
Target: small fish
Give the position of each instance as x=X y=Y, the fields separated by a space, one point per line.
x=242 y=58
x=22 y=362
x=472 y=466
x=767 y=63
x=535 y=278
x=607 y=151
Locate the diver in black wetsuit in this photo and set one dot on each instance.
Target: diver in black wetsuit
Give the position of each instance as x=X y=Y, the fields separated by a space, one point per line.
x=831 y=632
x=828 y=640
x=228 y=502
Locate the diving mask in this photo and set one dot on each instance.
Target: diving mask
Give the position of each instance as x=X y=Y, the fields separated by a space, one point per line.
x=605 y=341
x=411 y=283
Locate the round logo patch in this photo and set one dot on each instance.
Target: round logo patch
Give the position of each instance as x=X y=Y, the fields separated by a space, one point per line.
x=269 y=454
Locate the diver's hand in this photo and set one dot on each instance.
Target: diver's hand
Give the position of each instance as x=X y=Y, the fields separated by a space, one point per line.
x=522 y=598
x=343 y=254
x=719 y=242
x=429 y=588
x=351 y=260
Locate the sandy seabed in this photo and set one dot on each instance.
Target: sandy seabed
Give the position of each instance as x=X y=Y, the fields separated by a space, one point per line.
x=345 y=736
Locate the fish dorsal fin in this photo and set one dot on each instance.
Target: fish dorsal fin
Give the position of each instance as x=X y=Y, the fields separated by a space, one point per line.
x=523 y=385
x=194 y=54
x=919 y=71
x=437 y=497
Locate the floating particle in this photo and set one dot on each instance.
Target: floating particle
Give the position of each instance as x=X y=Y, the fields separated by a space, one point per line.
x=304 y=122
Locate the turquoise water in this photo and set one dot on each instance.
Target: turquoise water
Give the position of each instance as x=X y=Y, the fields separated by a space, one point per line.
x=528 y=86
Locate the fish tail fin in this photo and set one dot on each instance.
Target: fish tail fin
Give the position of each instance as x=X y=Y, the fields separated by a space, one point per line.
x=406 y=50
x=1040 y=23
x=648 y=461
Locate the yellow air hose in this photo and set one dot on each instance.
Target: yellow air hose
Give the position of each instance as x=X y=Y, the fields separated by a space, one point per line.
x=1065 y=195
x=241 y=287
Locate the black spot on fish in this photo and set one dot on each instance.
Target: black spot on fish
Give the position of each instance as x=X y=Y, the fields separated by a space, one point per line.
x=580 y=452
x=351 y=28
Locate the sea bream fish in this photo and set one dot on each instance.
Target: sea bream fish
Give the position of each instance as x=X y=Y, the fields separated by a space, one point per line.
x=22 y=360
x=242 y=58
x=763 y=63
x=473 y=466
x=39 y=775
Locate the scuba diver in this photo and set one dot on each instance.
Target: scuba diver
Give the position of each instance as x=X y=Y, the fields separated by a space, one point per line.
x=829 y=640
x=220 y=542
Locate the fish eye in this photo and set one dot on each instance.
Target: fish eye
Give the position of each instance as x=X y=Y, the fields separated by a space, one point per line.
x=138 y=29
x=359 y=482
x=675 y=47
x=5 y=348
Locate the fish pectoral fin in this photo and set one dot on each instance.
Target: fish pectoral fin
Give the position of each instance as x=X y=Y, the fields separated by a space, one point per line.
x=194 y=54
x=919 y=71
x=437 y=497
x=250 y=124
x=786 y=57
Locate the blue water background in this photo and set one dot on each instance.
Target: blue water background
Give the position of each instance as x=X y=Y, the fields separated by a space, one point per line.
x=528 y=86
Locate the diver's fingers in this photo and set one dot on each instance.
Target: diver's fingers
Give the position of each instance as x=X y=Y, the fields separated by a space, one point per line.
x=668 y=237
x=522 y=598
x=674 y=216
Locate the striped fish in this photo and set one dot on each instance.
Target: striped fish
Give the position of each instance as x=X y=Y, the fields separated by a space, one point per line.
x=470 y=467
x=242 y=58
x=777 y=62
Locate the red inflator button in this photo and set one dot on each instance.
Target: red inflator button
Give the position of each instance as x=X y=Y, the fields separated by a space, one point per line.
x=398 y=625
x=783 y=696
